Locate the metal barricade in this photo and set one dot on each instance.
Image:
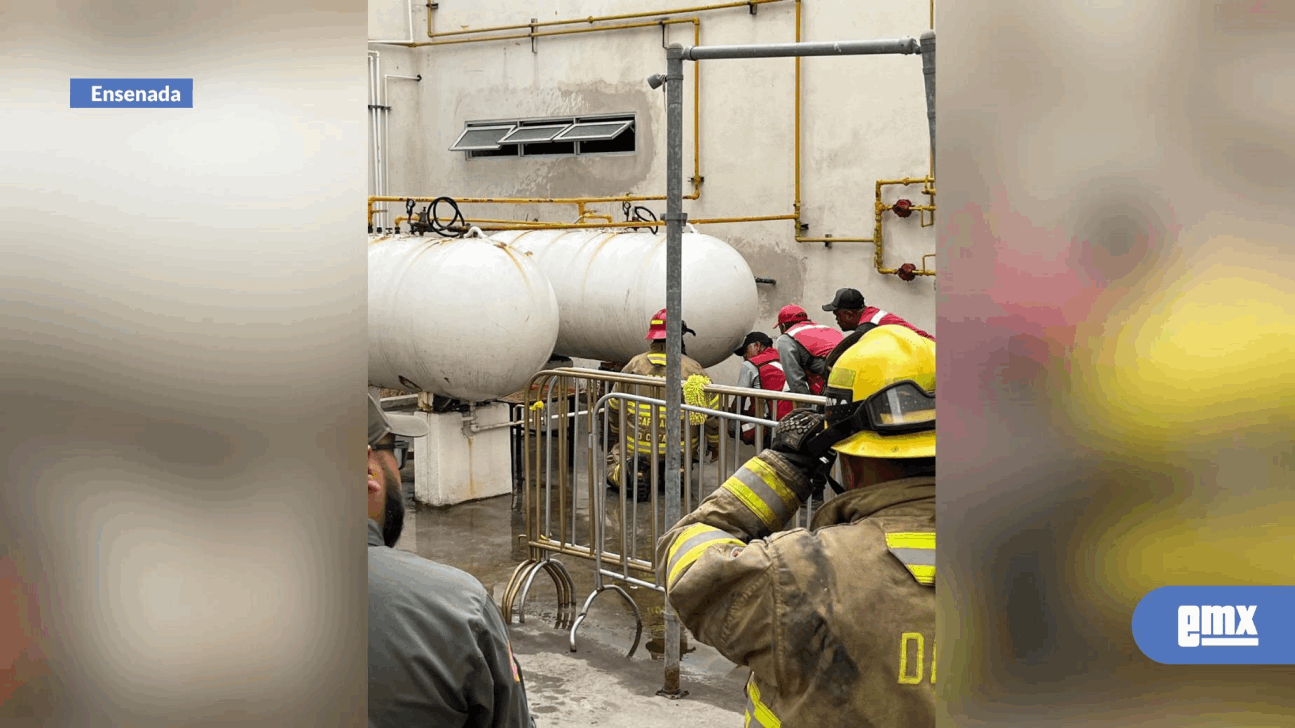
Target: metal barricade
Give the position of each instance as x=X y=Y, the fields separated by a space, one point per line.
x=572 y=511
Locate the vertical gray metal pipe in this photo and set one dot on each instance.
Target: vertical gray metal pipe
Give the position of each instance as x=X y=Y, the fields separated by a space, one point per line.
x=675 y=219
x=928 y=74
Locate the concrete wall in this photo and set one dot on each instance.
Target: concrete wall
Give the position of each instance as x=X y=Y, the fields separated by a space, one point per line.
x=863 y=118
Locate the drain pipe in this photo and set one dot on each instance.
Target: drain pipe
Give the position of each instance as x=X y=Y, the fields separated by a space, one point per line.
x=386 y=120
x=928 y=75
x=375 y=129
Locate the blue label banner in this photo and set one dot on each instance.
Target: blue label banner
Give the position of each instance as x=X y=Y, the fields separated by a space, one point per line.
x=1217 y=625
x=132 y=93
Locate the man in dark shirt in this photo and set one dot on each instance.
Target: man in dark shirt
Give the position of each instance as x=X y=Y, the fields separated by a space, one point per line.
x=856 y=318
x=439 y=653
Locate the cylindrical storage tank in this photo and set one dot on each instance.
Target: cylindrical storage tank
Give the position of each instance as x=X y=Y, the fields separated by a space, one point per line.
x=470 y=319
x=609 y=283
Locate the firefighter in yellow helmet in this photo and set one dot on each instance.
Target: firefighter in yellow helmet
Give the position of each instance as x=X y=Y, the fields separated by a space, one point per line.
x=837 y=622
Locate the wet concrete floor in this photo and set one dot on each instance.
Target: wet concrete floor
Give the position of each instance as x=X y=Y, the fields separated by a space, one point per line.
x=597 y=685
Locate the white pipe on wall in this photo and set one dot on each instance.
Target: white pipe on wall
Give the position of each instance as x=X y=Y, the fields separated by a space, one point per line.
x=378 y=130
x=411 y=27
x=375 y=186
x=386 y=126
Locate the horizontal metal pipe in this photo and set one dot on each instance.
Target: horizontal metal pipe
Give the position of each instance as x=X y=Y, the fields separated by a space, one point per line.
x=547 y=33
x=475 y=428
x=904 y=46
x=522 y=200
x=522 y=423
x=534 y=225
x=601 y=18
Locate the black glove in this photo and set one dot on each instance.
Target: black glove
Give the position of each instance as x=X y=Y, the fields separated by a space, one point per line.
x=791 y=438
x=791 y=434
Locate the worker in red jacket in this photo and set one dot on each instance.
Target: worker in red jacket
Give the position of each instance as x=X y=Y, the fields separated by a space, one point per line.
x=761 y=370
x=803 y=349
x=852 y=314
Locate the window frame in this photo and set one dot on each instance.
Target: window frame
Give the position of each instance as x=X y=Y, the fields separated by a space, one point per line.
x=458 y=147
x=629 y=125
x=625 y=126
x=561 y=127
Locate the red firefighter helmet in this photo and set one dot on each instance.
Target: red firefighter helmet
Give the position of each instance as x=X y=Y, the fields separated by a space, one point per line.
x=656 y=327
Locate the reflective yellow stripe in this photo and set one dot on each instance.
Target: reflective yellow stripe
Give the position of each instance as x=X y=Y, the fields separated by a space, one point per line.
x=657 y=359
x=756 y=710
x=693 y=530
x=772 y=479
x=925 y=575
x=778 y=509
x=767 y=512
x=916 y=551
x=916 y=540
x=689 y=546
x=658 y=322
x=751 y=500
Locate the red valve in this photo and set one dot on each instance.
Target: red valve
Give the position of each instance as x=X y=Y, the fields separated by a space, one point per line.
x=903 y=208
x=906 y=271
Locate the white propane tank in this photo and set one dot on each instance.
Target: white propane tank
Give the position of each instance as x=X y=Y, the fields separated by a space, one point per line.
x=609 y=283
x=469 y=318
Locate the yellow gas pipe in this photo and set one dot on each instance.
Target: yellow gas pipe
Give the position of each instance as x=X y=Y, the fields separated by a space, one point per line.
x=877 y=240
x=697 y=179
x=497 y=225
x=588 y=19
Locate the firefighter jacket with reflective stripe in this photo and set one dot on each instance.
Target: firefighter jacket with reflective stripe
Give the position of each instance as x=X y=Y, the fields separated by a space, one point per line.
x=770 y=376
x=649 y=436
x=878 y=317
x=803 y=351
x=837 y=622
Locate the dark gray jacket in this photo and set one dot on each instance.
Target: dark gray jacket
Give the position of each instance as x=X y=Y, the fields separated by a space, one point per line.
x=439 y=654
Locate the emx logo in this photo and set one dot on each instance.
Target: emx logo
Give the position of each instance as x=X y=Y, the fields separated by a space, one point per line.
x=1194 y=622
x=1171 y=623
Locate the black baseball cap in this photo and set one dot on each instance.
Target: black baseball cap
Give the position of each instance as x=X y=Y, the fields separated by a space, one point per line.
x=751 y=338
x=846 y=298
x=381 y=423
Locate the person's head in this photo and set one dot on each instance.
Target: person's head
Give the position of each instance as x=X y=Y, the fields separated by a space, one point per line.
x=847 y=306
x=657 y=331
x=754 y=343
x=790 y=315
x=881 y=396
x=387 y=452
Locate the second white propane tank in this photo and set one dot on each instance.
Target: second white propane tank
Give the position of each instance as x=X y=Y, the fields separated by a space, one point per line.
x=469 y=319
x=609 y=283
